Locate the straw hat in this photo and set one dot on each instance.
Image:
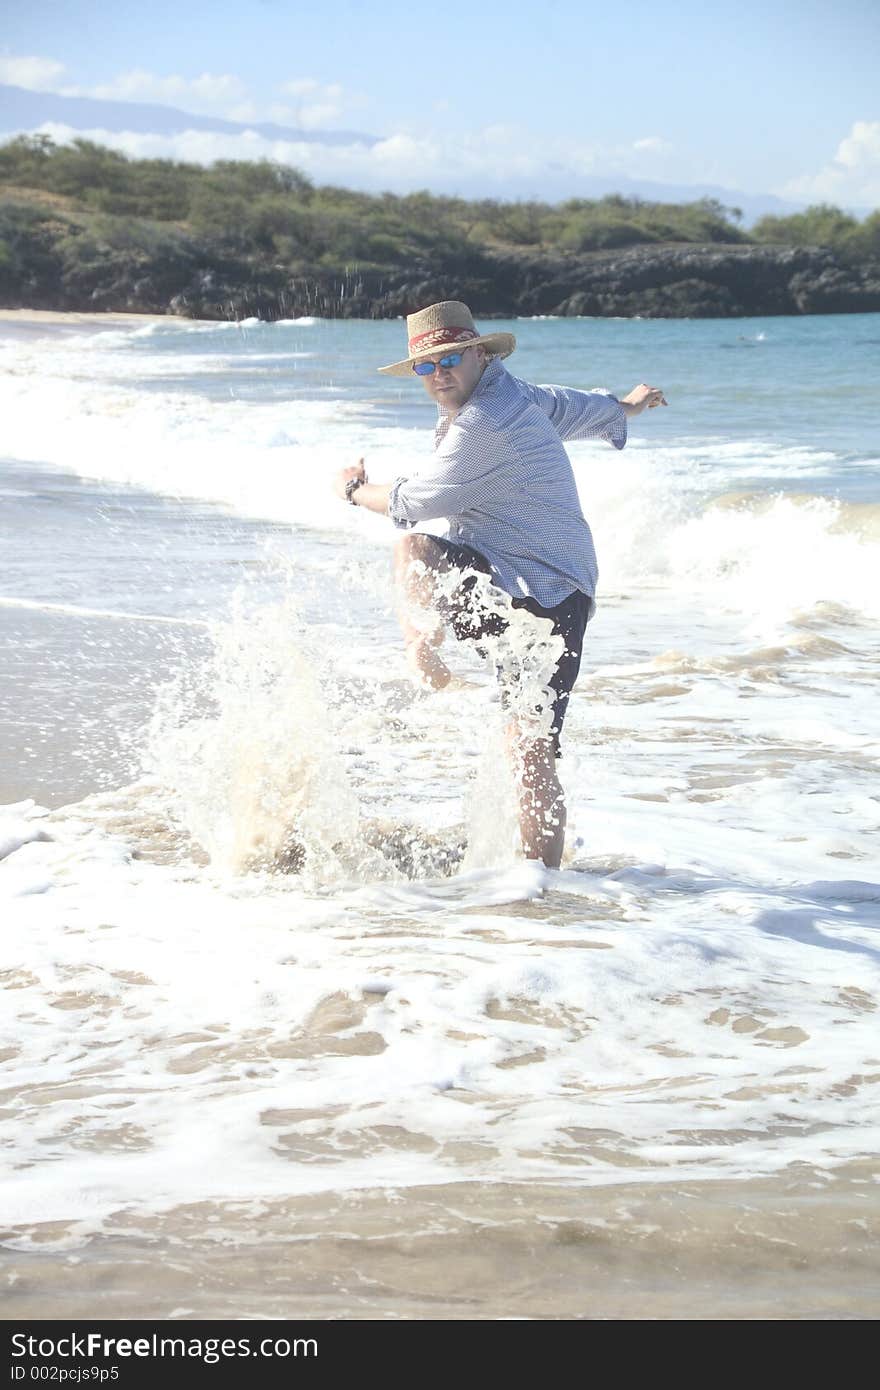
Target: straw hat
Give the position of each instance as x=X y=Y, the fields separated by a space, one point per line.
x=448 y=324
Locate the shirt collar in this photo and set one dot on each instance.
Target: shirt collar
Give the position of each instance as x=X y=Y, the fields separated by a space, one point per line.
x=491 y=373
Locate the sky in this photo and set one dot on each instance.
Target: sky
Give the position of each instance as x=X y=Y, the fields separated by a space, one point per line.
x=771 y=96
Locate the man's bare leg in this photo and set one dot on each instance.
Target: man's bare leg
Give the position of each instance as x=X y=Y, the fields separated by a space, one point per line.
x=542 y=813
x=417 y=563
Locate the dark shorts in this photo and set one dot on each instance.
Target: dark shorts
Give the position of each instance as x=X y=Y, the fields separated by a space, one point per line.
x=472 y=621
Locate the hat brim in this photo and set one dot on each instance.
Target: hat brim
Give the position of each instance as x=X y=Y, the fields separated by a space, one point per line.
x=501 y=344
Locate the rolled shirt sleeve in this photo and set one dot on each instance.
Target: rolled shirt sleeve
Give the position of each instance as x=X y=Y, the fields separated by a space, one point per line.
x=394 y=511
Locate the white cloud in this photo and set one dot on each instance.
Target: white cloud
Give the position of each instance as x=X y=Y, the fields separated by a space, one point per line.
x=314 y=104
x=318 y=115
x=861 y=148
x=210 y=94
x=222 y=94
x=36 y=74
x=482 y=163
x=302 y=87
x=652 y=144
x=317 y=104
x=852 y=177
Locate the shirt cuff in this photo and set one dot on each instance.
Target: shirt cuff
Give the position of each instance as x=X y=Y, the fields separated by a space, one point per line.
x=616 y=433
x=395 y=510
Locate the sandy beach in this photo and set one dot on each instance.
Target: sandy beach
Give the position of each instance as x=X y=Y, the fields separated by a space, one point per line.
x=50 y=316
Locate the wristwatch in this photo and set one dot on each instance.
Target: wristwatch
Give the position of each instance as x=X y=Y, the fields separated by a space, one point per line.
x=351 y=488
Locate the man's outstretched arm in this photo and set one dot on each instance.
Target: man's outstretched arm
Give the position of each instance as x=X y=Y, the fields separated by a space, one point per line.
x=577 y=414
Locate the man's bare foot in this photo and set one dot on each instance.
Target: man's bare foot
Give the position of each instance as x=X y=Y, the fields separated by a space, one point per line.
x=429 y=669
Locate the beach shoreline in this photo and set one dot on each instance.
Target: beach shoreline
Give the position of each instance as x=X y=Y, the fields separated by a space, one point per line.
x=69 y=316
x=760 y=1249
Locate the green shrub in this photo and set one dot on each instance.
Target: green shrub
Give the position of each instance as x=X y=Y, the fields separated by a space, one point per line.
x=820 y=225
x=264 y=210
x=868 y=241
x=582 y=233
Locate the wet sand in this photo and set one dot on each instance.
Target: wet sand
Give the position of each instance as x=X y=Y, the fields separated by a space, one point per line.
x=800 y=1245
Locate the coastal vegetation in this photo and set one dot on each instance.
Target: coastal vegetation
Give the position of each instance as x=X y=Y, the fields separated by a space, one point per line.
x=87 y=219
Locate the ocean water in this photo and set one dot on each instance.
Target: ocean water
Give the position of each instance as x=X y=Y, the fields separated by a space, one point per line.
x=287 y=1028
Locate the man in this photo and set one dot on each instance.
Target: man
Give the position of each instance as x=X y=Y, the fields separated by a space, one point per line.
x=518 y=564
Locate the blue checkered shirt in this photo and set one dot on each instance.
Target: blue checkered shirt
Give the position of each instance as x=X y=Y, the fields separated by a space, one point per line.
x=502 y=478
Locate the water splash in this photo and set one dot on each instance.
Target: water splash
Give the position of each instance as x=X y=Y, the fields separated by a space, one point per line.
x=246 y=746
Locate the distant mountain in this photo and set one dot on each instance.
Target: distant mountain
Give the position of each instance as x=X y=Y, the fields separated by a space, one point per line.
x=22 y=111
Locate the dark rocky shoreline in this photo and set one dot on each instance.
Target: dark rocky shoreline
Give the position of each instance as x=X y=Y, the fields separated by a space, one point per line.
x=662 y=281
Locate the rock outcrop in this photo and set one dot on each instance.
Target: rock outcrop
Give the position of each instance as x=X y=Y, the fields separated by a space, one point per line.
x=646 y=282
x=208 y=281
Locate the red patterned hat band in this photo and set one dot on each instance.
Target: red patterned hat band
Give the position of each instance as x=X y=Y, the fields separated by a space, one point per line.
x=439 y=337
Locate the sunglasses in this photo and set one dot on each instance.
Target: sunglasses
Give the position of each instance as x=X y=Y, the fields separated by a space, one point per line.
x=452 y=359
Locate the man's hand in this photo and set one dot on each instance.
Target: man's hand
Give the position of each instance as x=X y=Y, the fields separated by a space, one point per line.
x=345 y=475
x=641 y=398
x=373 y=496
